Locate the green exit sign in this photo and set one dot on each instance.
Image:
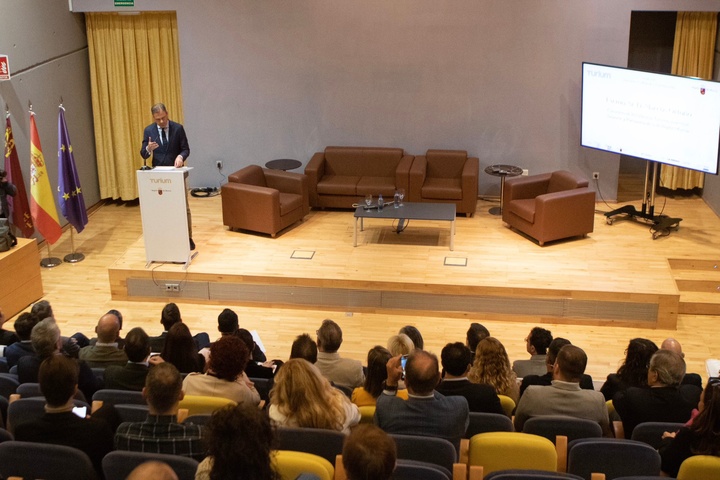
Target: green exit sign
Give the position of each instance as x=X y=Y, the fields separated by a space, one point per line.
x=124 y=3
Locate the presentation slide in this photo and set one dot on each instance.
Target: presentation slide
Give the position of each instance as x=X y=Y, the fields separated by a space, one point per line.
x=664 y=118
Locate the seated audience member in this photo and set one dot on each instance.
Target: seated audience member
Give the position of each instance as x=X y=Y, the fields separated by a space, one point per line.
x=132 y=375
x=228 y=323
x=160 y=432
x=58 y=380
x=665 y=401
x=586 y=382
x=369 y=453
x=181 y=351
x=119 y=340
x=304 y=347
x=492 y=366
x=414 y=335
x=425 y=412
x=456 y=362
x=239 y=443
x=70 y=345
x=169 y=316
x=302 y=397
x=254 y=369
x=6 y=337
x=674 y=346
x=153 y=470
x=224 y=377
x=475 y=333
x=400 y=344
x=343 y=372
x=634 y=370
x=702 y=437
x=105 y=351
x=537 y=342
x=46 y=341
x=366 y=395
x=564 y=396
x=23 y=327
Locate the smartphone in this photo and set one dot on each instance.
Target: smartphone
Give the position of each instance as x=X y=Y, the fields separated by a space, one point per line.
x=403 y=361
x=80 y=411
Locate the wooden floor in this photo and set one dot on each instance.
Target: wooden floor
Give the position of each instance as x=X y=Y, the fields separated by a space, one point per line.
x=621 y=260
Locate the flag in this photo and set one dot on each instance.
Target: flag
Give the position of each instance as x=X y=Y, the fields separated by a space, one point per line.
x=19 y=203
x=42 y=202
x=70 y=196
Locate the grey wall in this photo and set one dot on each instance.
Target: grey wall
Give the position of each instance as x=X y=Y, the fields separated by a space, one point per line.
x=47 y=50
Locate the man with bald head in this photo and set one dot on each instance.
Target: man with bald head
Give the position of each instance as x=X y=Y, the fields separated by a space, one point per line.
x=674 y=346
x=105 y=352
x=425 y=412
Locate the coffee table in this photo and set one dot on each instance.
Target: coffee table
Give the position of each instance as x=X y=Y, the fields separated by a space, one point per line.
x=408 y=211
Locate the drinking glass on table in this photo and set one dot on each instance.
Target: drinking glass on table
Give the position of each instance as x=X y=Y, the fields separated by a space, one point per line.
x=368 y=200
x=401 y=194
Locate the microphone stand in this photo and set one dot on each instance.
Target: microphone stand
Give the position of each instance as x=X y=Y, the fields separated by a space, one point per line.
x=145 y=165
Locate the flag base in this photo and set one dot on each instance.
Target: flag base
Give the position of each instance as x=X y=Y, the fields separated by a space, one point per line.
x=74 y=257
x=50 y=262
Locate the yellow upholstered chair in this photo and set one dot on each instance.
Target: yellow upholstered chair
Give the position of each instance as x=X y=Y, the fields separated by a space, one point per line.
x=508 y=404
x=367 y=414
x=493 y=451
x=202 y=405
x=290 y=464
x=700 y=467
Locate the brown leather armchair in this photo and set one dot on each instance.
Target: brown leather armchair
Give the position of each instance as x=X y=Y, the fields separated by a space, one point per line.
x=549 y=206
x=264 y=200
x=445 y=176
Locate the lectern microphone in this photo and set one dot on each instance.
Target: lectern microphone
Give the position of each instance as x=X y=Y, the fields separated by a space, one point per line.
x=145 y=165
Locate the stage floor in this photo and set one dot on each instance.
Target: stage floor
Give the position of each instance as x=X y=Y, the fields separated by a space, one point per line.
x=617 y=275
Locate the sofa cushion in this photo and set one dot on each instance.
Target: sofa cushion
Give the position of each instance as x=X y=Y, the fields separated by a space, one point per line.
x=289 y=202
x=377 y=185
x=445 y=163
x=338 y=185
x=524 y=209
x=355 y=161
x=442 y=188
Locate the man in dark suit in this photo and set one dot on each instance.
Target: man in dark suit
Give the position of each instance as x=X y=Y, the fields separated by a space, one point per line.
x=132 y=375
x=425 y=412
x=167 y=143
x=586 y=381
x=456 y=361
x=23 y=327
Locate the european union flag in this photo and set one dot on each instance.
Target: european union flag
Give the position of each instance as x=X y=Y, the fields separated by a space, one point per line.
x=70 y=196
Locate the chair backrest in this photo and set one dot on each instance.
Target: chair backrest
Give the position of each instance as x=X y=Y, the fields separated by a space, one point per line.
x=445 y=163
x=198 y=419
x=250 y=175
x=114 y=397
x=99 y=373
x=131 y=412
x=200 y=404
x=414 y=470
x=262 y=385
x=118 y=464
x=651 y=432
x=426 y=449
x=530 y=475
x=613 y=457
x=8 y=384
x=290 y=464
x=5 y=436
x=32 y=389
x=481 y=422
x=26 y=409
x=700 y=467
x=563 y=180
x=43 y=460
x=508 y=404
x=550 y=426
x=367 y=414
x=327 y=444
x=511 y=450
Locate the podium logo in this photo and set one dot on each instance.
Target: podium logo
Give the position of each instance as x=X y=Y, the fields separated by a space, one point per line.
x=159 y=191
x=160 y=180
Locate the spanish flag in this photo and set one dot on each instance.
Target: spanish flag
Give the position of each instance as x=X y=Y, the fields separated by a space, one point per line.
x=42 y=201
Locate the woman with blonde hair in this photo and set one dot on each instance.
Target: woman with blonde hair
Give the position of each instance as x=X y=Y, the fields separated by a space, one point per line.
x=492 y=366
x=400 y=344
x=302 y=397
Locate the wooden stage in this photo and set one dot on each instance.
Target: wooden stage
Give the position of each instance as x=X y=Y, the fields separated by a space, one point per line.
x=618 y=275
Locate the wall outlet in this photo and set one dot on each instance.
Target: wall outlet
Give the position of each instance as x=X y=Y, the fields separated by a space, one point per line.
x=172 y=287
x=218 y=164
x=596 y=175
x=526 y=172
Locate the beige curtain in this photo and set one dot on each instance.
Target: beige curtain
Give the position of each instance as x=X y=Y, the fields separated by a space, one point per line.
x=693 y=56
x=134 y=63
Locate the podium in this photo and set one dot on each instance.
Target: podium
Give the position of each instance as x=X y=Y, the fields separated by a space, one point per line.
x=163 y=208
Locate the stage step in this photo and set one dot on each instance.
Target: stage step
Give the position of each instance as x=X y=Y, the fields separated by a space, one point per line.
x=698 y=281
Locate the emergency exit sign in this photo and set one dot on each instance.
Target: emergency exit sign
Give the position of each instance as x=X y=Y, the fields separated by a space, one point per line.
x=124 y=3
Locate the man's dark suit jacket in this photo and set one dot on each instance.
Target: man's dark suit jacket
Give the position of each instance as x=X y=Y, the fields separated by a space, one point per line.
x=586 y=382
x=130 y=377
x=480 y=397
x=165 y=154
x=436 y=416
x=29 y=368
x=16 y=351
x=661 y=404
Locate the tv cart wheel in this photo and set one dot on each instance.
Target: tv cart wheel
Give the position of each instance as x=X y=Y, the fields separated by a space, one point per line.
x=610 y=221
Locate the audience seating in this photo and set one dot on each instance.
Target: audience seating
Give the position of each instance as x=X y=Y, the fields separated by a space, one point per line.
x=549 y=206
x=8 y=384
x=651 y=432
x=508 y=404
x=99 y=373
x=42 y=460
x=446 y=176
x=115 y=397
x=367 y=414
x=263 y=200
x=560 y=430
x=327 y=444
x=131 y=412
x=291 y=464
x=203 y=405
x=5 y=436
x=493 y=451
x=700 y=467
x=23 y=409
x=433 y=450
x=613 y=457
x=530 y=475
x=481 y=422
x=32 y=389
x=118 y=464
x=198 y=419
x=262 y=385
x=414 y=470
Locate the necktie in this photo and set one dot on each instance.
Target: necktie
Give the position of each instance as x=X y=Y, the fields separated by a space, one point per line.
x=164 y=136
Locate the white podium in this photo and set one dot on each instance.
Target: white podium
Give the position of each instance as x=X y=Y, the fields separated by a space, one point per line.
x=163 y=207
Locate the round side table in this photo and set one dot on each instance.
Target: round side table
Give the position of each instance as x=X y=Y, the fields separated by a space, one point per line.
x=502 y=171
x=283 y=164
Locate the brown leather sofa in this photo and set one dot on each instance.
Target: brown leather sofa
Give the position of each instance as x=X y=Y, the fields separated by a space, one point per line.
x=263 y=200
x=549 y=206
x=446 y=176
x=341 y=176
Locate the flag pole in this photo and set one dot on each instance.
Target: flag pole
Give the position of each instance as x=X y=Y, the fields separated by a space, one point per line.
x=73 y=257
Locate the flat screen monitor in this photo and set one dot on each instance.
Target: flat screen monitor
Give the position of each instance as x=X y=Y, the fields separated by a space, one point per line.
x=664 y=118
